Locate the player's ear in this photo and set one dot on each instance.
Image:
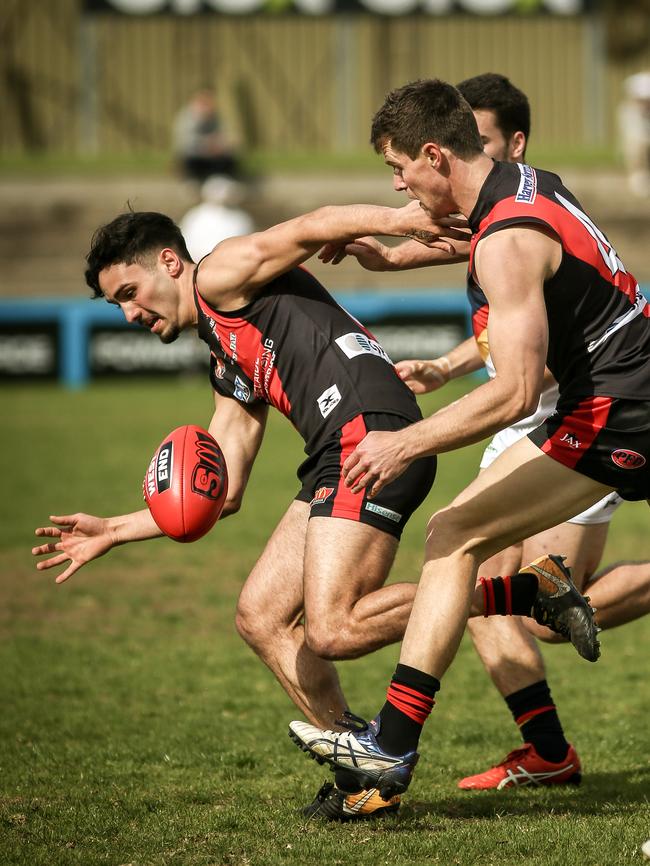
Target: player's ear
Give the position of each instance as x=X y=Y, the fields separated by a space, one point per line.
x=517 y=146
x=433 y=154
x=171 y=261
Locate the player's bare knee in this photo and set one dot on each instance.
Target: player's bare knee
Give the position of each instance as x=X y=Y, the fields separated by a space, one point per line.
x=254 y=625
x=447 y=535
x=329 y=640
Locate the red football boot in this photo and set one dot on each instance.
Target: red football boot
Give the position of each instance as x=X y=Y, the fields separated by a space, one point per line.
x=525 y=767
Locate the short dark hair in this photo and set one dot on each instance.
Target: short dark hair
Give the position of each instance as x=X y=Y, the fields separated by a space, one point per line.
x=131 y=237
x=422 y=111
x=496 y=93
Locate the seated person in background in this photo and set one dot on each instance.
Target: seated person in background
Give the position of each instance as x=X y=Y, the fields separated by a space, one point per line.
x=200 y=143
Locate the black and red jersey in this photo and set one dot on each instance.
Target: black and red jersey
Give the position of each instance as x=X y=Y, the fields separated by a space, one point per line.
x=598 y=319
x=295 y=348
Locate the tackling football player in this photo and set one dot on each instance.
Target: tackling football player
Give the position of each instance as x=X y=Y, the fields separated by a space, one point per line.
x=620 y=594
x=557 y=292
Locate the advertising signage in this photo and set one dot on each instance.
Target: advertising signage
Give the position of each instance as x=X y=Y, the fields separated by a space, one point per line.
x=330 y=7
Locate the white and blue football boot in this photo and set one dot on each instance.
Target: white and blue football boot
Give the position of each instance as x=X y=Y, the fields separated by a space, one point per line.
x=358 y=752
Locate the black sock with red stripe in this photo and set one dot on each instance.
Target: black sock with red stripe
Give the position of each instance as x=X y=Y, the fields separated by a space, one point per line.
x=510 y=595
x=534 y=711
x=409 y=700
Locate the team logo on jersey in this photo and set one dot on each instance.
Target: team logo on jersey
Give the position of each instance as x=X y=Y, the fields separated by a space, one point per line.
x=328 y=400
x=241 y=391
x=527 y=192
x=321 y=495
x=354 y=344
x=626 y=459
x=219 y=367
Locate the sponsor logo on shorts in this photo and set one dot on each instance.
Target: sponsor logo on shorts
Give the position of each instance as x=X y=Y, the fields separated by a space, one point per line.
x=328 y=400
x=219 y=367
x=383 y=512
x=527 y=192
x=321 y=495
x=241 y=391
x=354 y=344
x=626 y=459
x=571 y=439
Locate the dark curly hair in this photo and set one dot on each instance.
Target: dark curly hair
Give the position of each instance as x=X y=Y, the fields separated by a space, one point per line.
x=131 y=237
x=422 y=111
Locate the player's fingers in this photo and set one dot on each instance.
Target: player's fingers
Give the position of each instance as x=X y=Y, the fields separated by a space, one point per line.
x=457 y=234
x=327 y=252
x=405 y=368
x=350 y=463
x=70 y=570
x=44 y=564
x=459 y=222
x=52 y=531
x=361 y=483
x=64 y=520
x=50 y=547
x=376 y=488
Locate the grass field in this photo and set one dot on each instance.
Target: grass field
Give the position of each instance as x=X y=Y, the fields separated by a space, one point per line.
x=138 y=729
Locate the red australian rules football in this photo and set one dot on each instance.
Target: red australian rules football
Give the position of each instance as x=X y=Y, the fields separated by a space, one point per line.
x=186 y=483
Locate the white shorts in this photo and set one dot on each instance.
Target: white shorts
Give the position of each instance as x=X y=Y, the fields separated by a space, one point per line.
x=601 y=512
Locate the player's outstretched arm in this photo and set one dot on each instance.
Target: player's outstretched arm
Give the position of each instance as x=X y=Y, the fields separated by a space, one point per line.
x=375 y=256
x=79 y=538
x=242 y=265
x=424 y=376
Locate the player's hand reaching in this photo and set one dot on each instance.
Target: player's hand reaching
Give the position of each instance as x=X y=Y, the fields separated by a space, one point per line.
x=438 y=234
x=369 y=252
x=376 y=461
x=424 y=376
x=77 y=539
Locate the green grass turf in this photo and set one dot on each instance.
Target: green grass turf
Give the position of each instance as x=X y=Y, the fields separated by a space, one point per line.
x=137 y=728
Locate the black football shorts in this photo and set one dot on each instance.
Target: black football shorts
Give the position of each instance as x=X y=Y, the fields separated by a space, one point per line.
x=325 y=491
x=604 y=438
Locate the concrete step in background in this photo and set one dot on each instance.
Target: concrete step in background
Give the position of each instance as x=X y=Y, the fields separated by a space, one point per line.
x=46 y=224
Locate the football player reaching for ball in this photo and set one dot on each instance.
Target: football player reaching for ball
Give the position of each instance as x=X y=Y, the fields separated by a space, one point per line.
x=277 y=338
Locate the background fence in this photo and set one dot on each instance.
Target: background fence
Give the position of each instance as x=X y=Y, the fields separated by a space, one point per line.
x=86 y=83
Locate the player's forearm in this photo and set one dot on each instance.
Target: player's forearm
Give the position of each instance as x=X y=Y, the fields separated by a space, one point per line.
x=463 y=359
x=481 y=413
x=137 y=526
x=340 y=223
x=412 y=254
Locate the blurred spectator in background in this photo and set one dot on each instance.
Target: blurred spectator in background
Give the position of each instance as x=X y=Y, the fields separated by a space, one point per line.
x=218 y=216
x=201 y=144
x=634 y=122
